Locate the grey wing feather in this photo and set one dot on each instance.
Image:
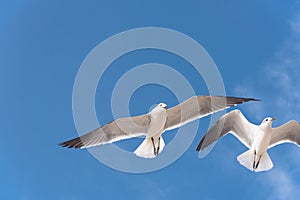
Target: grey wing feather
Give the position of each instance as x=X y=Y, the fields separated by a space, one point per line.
x=199 y=106
x=288 y=132
x=233 y=122
x=119 y=129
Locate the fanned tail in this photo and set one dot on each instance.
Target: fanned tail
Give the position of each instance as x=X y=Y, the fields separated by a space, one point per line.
x=265 y=163
x=247 y=160
x=146 y=149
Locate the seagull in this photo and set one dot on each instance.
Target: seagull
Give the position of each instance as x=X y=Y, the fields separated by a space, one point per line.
x=153 y=124
x=258 y=138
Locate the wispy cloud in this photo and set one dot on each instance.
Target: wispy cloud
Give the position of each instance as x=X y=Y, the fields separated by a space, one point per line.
x=281 y=76
x=283 y=186
x=284 y=71
x=154 y=190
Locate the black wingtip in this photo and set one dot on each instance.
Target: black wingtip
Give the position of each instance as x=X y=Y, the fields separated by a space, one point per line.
x=250 y=99
x=256 y=100
x=200 y=144
x=233 y=101
x=64 y=144
x=244 y=99
x=74 y=143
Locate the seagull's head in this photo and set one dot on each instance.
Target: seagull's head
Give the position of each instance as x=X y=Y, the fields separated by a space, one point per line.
x=159 y=108
x=162 y=105
x=268 y=120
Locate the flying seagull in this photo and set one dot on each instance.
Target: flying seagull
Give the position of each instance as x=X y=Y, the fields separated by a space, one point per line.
x=258 y=138
x=153 y=124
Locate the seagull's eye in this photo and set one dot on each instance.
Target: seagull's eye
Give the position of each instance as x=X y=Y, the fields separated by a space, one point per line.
x=267 y=119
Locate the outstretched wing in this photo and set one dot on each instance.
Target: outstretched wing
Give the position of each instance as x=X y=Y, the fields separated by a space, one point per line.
x=288 y=132
x=119 y=129
x=199 y=106
x=233 y=122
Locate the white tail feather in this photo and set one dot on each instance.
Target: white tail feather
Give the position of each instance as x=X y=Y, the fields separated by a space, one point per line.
x=265 y=163
x=247 y=159
x=146 y=149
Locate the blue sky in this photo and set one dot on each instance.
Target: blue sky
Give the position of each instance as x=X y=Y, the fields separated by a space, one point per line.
x=42 y=45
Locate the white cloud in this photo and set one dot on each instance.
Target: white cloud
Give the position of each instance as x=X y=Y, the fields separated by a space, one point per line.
x=154 y=190
x=283 y=185
x=284 y=72
x=282 y=77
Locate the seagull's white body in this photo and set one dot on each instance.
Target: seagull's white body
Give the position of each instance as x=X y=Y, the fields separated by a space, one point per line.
x=153 y=139
x=258 y=138
x=262 y=138
x=158 y=120
x=257 y=158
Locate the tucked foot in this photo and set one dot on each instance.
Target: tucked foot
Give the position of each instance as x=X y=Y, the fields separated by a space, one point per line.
x=155 y=151
x=254 y=160
x=257 y=162
x=158 y=145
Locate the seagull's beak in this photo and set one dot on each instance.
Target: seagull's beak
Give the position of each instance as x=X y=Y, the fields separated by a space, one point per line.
x=273 y=118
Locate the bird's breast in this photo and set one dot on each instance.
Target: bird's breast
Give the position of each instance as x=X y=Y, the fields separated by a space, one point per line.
x=262 y=141
x=157 y=123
